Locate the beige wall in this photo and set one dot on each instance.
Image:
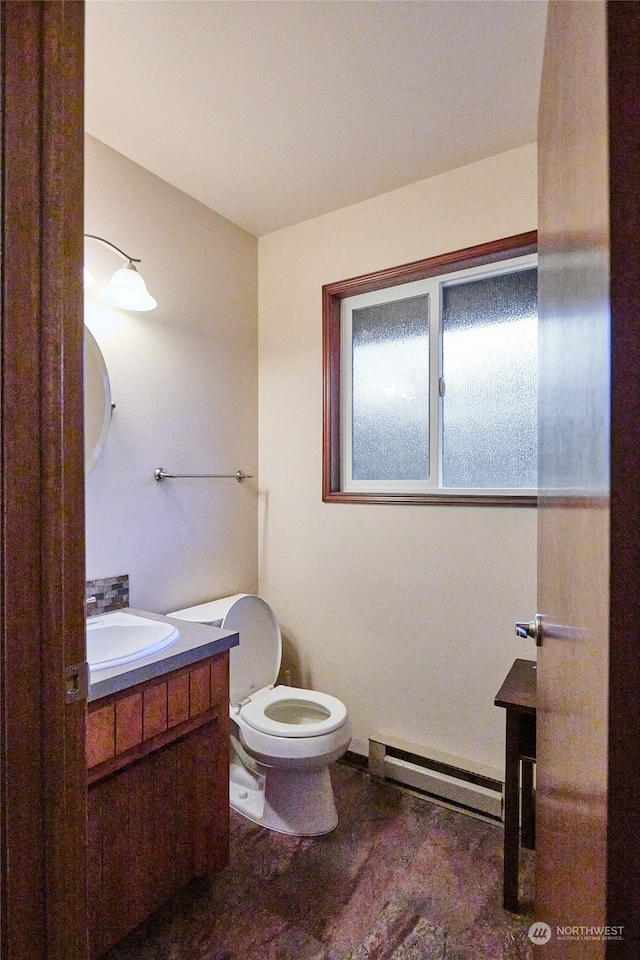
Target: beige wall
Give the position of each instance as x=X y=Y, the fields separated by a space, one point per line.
x=184 y=379
x=404 y=612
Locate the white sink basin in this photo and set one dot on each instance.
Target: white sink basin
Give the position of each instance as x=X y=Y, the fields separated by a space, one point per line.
x=117 y=638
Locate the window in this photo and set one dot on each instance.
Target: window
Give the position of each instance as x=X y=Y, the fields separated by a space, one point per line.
x=431 y=380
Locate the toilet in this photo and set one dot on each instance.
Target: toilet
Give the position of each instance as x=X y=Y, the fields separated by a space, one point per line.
x=282 y=738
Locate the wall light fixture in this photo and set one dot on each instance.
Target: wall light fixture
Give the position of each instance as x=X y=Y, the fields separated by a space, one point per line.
x=126 y=289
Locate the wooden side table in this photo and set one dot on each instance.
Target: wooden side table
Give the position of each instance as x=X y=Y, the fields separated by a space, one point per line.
x=518 y=696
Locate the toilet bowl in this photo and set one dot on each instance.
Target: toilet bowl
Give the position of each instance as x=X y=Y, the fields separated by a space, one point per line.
x=282 y=738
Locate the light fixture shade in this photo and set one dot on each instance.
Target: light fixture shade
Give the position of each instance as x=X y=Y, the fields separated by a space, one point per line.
x=127 y=291
x=89 y=278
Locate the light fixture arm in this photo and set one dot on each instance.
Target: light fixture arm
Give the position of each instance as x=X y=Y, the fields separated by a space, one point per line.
x=107 y=243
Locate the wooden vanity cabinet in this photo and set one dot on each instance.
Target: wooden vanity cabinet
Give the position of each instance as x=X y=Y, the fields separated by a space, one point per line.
x=158 y=801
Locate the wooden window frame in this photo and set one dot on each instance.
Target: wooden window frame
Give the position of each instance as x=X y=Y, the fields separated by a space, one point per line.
x=332 y=296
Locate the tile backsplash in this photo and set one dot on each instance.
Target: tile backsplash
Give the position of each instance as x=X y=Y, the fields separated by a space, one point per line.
x=111 y=593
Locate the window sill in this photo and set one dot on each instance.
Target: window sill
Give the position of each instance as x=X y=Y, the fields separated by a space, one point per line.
x=434 y=499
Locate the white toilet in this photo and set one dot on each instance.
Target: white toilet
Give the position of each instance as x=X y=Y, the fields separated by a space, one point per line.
x=282 y=738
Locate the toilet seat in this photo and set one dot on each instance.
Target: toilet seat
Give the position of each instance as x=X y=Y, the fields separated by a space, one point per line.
x=293 y=712
x=264 y=711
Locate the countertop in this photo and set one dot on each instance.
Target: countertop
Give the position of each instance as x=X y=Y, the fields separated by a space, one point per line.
x=196 y=641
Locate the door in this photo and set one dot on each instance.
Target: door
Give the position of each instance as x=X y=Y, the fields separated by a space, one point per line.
x=42 y=767
x=588 y=795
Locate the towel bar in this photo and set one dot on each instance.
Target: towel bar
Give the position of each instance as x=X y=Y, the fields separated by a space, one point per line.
x=161 y=474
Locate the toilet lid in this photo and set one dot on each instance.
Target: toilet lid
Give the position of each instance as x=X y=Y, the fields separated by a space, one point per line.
x=255 y=662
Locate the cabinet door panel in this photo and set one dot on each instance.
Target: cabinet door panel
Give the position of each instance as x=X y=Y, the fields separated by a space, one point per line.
x=141 y=844
x=220 y=681
x=199 y=690
x=115 y=859
x=162 y=771
x=128 y=722
x=208 y=824
x=220 y=799
x=101 y=735
x=178 y=699
x=154 y=711
x=94 y=871
x=186 y=807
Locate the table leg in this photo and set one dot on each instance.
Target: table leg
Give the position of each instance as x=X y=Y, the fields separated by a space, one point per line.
x=511 y=812
x=528 y=805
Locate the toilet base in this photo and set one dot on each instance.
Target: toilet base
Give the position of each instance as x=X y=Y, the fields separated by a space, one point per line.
x=298 y=803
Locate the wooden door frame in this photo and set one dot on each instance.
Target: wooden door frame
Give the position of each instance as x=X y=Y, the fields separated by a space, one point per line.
x=623 y=841
x=42 y=773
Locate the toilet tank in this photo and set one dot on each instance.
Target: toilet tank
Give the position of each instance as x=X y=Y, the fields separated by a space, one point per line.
x=254 y=664
x=213 y=612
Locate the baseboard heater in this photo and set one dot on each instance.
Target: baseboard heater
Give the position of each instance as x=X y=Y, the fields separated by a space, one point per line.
x=473 y=787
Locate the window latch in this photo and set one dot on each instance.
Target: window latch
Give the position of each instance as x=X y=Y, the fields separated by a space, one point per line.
x=441 y=386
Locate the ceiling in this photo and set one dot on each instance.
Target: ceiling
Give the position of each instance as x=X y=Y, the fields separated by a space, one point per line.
x=276 y=111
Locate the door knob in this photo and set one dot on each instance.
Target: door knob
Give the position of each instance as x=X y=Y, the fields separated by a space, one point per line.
x=532 y=629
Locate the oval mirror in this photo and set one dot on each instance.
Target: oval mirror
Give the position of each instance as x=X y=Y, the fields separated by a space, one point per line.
x=97 y=401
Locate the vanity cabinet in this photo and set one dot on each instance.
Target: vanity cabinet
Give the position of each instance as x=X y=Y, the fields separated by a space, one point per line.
x=158 y=801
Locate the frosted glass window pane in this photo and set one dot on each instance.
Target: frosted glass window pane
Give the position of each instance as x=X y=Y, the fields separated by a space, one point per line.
x=390 y=383
x=489 y=361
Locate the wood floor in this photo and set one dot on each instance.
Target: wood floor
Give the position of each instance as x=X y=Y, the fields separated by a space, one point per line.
x=400 y=878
